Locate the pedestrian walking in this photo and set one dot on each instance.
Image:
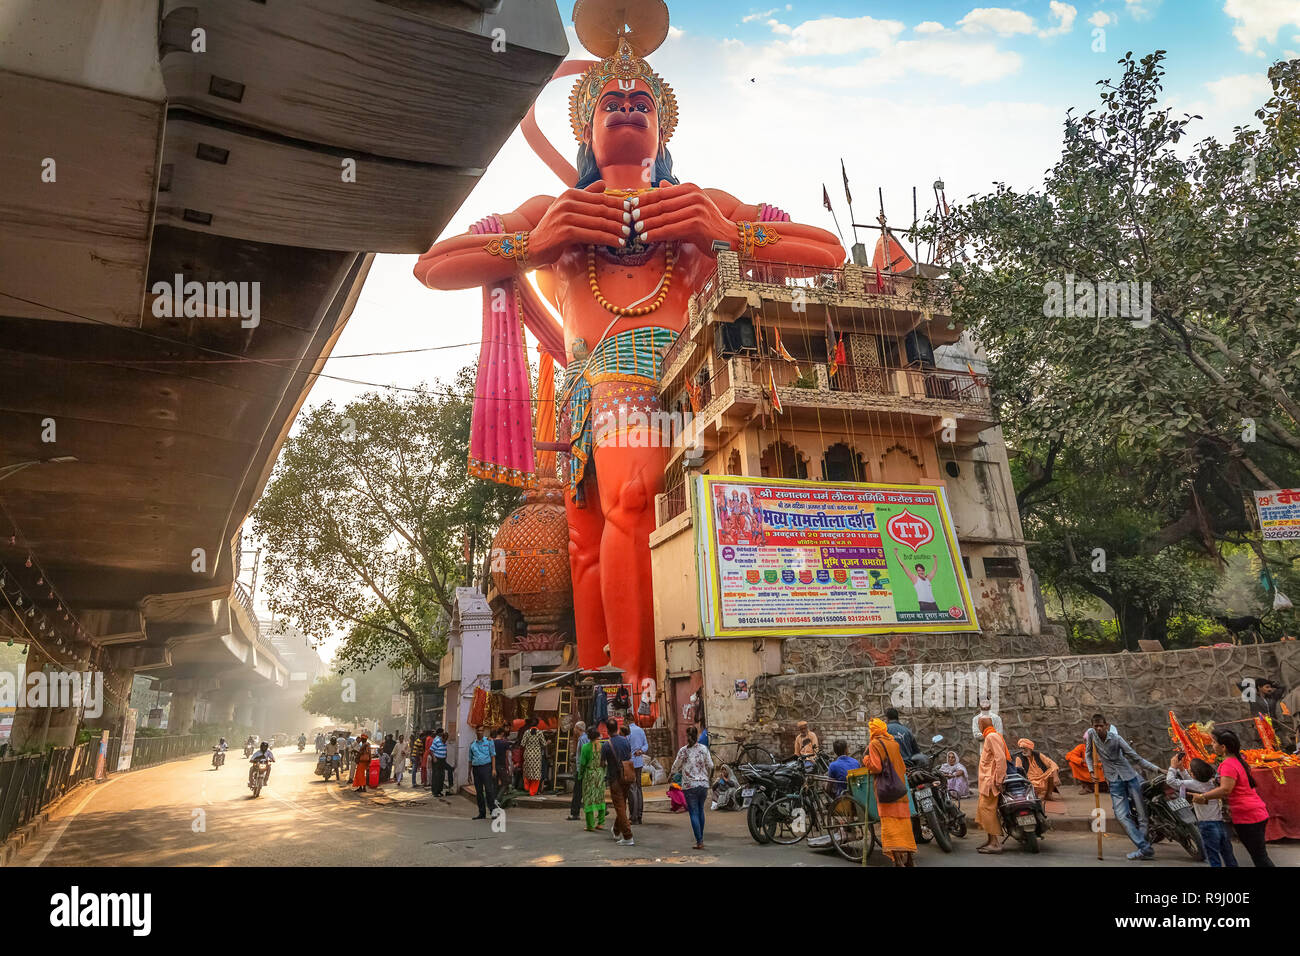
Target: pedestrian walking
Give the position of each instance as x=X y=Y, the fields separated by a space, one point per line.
x=994 y=758
x=1197 y=776
x=1125 y=782
x=616 y=755
x=437 y=753
x=884 y=761
x=363 y=764
x=534 y=743
x=501 y=744
x=482 y=758
x=590 y=783
x=580 y=740
x=399 y=759
x=1245 y=805
x=695 y=764
x=640 y=750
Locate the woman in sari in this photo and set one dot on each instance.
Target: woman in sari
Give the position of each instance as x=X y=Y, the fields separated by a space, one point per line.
x=534 y=743
x=591 y=774
x=896 y=837
x=363 y=764
x=955 y=773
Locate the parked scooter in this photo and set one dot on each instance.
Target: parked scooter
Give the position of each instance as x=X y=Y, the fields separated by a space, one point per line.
x=1171 y=817
x=937 y=811
x=1021 y=812
x=761 y=784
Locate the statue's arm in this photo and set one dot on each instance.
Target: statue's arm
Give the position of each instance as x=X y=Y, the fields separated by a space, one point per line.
x=463 y=262
x=806 y=245
x=578 y=217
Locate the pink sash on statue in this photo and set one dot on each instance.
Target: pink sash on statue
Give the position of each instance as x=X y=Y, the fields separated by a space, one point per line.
x=501 y=432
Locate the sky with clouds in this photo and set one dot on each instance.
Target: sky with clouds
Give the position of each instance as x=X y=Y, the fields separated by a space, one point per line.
x=772 y=95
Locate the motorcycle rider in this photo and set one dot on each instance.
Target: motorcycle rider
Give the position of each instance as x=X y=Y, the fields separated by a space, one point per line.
x=262 y=759
x=249 y=746
x=332 y=757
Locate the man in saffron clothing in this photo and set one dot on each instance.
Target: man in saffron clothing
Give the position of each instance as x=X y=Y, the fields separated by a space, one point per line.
x=993 y=770
x=619 y=256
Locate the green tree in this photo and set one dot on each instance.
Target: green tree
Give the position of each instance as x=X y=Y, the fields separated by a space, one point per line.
x=354 y=697
x=1142 y=433
x=368 y=517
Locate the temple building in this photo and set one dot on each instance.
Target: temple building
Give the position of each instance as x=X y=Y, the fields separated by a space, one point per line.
x=896 y=400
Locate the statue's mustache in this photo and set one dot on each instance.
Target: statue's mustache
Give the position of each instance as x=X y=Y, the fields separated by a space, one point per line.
x=627 y=119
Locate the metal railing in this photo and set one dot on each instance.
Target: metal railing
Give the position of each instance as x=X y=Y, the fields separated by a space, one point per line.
x=31 y=782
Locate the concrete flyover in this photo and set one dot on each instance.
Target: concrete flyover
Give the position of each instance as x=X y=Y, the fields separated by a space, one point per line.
x=274 y=146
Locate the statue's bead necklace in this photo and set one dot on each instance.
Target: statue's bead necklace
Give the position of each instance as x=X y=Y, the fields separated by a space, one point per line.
x=670 y=258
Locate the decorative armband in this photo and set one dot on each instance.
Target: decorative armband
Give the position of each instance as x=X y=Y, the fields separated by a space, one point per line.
x=510 y=247
x=754 y=235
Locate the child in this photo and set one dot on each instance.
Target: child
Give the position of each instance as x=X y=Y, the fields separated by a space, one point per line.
x=1209 y=815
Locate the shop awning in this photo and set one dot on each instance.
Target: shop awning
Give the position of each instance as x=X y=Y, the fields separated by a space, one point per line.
x=556 y=678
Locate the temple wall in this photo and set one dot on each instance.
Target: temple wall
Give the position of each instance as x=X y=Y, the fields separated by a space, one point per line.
x=1049 y=699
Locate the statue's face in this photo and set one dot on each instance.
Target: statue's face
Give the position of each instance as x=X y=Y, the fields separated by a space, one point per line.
x=625 y=126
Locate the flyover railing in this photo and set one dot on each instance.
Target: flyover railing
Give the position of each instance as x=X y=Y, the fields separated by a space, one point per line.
x=31 y=782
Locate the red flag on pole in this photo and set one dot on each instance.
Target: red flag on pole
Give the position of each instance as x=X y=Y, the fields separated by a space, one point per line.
x=771 y=387
x=838 y=358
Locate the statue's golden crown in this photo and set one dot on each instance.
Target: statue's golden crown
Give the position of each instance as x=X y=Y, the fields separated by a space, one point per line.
x=626 y=67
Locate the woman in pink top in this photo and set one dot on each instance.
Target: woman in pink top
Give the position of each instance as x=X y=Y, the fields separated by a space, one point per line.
x=1237 y=787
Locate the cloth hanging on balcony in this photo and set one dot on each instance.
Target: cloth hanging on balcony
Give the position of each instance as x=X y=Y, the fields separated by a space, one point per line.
x=501 y=432
x=771 y=387
x=838 y=358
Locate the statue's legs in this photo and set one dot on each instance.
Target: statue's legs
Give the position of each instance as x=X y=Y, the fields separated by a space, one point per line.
x=630 y=477
x=585 y=526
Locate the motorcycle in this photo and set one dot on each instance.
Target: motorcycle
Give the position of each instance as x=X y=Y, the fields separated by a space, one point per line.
x=761 y=783
x=327 y=765
x=218 y=757
x=257 y=775
x=248 y=749
x=937 y=811
x=1021 y=812
x=1171 y=817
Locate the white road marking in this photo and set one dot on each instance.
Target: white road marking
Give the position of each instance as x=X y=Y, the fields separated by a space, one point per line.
x=54 y=837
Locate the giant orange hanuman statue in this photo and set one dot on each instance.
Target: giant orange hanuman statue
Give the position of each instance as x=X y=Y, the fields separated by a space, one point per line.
x=618 y=255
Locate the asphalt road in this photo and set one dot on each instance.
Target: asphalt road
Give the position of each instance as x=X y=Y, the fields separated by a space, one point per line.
x=185 y=813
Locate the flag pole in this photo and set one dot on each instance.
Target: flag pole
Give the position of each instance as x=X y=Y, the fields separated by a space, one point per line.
x=848 y=196
x=826 y=201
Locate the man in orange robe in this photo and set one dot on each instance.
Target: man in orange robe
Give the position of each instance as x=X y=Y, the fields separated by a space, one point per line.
x=992 y=771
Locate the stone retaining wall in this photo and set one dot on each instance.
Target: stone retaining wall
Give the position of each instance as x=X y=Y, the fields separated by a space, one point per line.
x=1049 y=699
x=808 y=655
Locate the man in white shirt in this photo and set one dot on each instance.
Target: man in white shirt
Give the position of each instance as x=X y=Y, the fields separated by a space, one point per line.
x=262 y=757
x=986 y=710
x=922 y=582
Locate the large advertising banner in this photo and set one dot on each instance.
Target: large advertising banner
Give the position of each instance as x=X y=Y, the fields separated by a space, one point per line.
x=786 y=557
x=1279 y=514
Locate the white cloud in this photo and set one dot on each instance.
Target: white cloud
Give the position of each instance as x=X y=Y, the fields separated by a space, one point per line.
x=928 y=26
x=836 y=36
x=1243 y=92
x=758 y=16
x=1258 y=20
x=1064 y=15
x=999 y=20
x=1141 y=9
x=1101 y=18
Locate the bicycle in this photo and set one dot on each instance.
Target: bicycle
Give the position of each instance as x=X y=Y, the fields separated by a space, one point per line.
x=743 y=753
x=815 y=809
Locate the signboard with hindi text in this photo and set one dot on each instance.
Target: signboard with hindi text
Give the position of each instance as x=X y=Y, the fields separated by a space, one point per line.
x=781 y=557
x=1279 y=514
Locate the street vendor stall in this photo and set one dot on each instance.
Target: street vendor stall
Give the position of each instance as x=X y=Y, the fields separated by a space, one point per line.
x=1276 y=774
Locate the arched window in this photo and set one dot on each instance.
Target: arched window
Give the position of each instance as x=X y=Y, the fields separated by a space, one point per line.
x=842 y=463
x=900 y=466
x=782 y=460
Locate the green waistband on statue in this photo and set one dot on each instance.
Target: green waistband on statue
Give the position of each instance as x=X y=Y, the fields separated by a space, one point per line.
x=634 y=356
